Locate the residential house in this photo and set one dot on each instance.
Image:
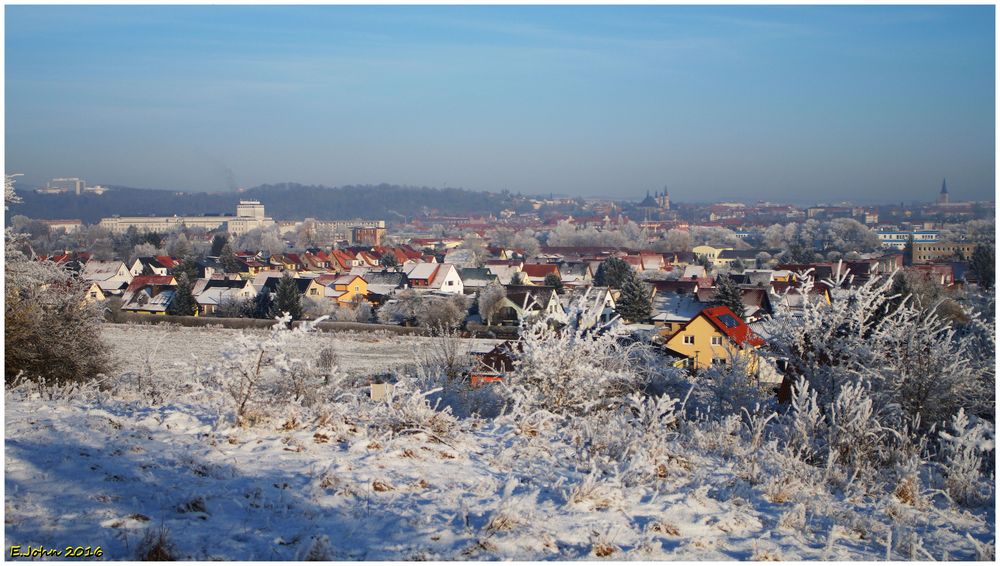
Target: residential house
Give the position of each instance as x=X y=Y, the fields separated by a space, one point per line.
x=528 y=300
x=447 y=280
x=149 y=294
x=713 y=337
x=212 y=292
x=383 y=284
x=708 y=252
x=113 y=277
x=347 y=290
x=474 y=279
x=537 y=272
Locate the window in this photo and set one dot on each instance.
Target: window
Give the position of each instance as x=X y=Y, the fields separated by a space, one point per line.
x=716 y=340
x=357 y=288
x=688 y=339
x=718 y=361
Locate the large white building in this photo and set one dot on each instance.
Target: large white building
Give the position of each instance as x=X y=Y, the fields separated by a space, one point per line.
x=897 y=238
x=249 y=216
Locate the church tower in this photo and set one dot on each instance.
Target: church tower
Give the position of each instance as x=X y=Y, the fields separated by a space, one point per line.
x=943 y=196
x=663 y=199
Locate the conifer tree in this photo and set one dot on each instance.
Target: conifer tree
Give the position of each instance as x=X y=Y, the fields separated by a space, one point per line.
x=553 y=280
x=219 y=242
x=183 y=303
x=612 y=273
x=983 y=265
x=634 y=303
x=727 y=293
x=229 y=261
x=287 y=298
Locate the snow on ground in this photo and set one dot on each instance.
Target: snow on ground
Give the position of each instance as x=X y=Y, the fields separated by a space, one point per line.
x=104 y=468
x=170 y=349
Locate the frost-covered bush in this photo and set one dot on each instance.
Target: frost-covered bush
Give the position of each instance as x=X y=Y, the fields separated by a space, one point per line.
x=258 y=374
x=966 y=454
x=572 y=364
x=51 y=332
x=912 y=361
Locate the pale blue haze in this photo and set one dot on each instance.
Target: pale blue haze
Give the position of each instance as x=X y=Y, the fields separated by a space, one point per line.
x=789 y=103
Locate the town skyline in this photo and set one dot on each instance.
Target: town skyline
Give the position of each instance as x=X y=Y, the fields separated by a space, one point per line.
x=790 y=104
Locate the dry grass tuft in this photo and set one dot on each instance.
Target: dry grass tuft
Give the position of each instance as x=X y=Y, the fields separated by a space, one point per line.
x=908 y=492
x=665 y=528
x=603 y=550
x=319 y=438
x=374 y=445
x=382 y=485
x=156 y=547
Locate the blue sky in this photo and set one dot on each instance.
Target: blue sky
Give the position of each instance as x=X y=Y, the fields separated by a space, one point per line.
x=734 y=102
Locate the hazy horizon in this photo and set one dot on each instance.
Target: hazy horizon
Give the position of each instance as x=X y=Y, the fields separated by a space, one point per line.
x=795 y=104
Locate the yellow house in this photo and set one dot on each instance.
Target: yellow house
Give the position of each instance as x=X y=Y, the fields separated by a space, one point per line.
x=708 y=252
x=94 y=293
x=711 y=338
x=315 y=290
x=348 y=289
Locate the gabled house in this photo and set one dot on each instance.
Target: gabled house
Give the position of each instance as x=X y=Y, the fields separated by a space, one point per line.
x=713 y=337
x=576 y=273
x=537 y=272
x=420 y=275
x=149 y=263
x=505 y=273
x=447 y=280
x=113 y=277
x=347 y=289
x=527 y=300
x=212 y=292
x=149 y=294
x=475 y=279
x=94 y=293
x=383 y=284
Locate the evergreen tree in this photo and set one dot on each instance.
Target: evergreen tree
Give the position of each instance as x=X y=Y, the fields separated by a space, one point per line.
x=261 y=306
x=727 y=293
x=612 y=273
x=553 y=280
x=188 y=267
x=218 y=243
x=634 y=303
x=230 y=263
x=738 y=266
x=287 y=298
x=388 y=260
x=983 y=265
x=908 y=251
x=183 y=302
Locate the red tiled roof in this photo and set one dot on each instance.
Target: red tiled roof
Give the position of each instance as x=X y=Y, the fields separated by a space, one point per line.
x=166 y=261
x=539 y=269
x=150 y=280
x=731 y=325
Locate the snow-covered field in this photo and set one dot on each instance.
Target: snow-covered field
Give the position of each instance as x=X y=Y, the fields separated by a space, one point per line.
x=170 y=350
x=347 y=478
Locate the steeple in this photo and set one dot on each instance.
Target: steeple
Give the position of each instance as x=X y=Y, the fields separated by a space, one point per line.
x=943 y=196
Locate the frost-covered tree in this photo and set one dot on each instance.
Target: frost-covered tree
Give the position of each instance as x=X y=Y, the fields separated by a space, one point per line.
x=51 y=332
x=491 y=301
x=229 y=261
